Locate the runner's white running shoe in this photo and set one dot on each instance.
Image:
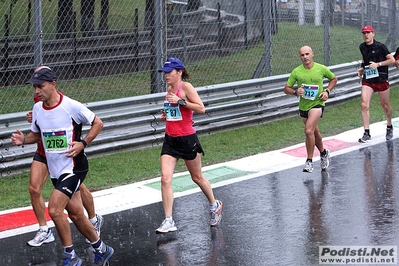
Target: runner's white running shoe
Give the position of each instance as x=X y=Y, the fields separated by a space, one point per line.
x=216 y=216
x=166 y=226
x=41 y=237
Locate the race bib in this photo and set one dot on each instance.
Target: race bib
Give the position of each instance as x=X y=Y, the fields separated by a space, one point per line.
x=172 y=112
x=311 y=91
x=55 y=141
x=370 y=73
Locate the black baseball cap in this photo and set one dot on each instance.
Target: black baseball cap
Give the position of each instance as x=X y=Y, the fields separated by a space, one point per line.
x=44 y=74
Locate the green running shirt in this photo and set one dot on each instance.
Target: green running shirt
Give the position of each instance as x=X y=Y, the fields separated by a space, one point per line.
x=313 y=78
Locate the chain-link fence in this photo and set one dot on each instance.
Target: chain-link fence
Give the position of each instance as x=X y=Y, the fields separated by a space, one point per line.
x=112 y=49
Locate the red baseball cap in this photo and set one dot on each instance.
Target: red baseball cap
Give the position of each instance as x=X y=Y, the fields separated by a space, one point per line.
x=367 y=29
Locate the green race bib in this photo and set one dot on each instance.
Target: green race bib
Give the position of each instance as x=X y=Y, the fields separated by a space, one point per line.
x=55 y=141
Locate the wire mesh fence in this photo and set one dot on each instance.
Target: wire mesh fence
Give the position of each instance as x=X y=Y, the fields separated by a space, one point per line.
x=112 y=49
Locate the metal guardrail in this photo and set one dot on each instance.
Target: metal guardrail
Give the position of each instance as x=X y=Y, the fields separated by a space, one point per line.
x=133 y=123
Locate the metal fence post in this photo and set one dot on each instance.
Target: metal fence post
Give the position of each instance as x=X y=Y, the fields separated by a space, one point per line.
x=268 y=37
x=317 y=12
x=158 y=46
x=5 y=49
x=38 y=35
x=301 y=12
x=327 y=48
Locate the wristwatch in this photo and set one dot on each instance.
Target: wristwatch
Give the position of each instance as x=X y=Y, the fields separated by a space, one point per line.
x=379 y=64
x=84 y=143
x=181 y=102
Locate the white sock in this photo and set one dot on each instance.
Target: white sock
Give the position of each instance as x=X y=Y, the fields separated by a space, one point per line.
x=93 y=220
x=44 y=228
x=213 y=206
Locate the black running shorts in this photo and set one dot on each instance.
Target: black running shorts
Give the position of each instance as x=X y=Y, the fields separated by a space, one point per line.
x=69 y=183
x=185 y=147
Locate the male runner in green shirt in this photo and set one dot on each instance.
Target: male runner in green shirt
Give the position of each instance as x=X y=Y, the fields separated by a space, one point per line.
x=309 y=77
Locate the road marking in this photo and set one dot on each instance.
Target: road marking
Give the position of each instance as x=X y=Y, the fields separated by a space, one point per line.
x=184 y=182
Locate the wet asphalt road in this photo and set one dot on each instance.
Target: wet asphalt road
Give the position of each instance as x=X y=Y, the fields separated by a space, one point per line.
x=277 y=219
